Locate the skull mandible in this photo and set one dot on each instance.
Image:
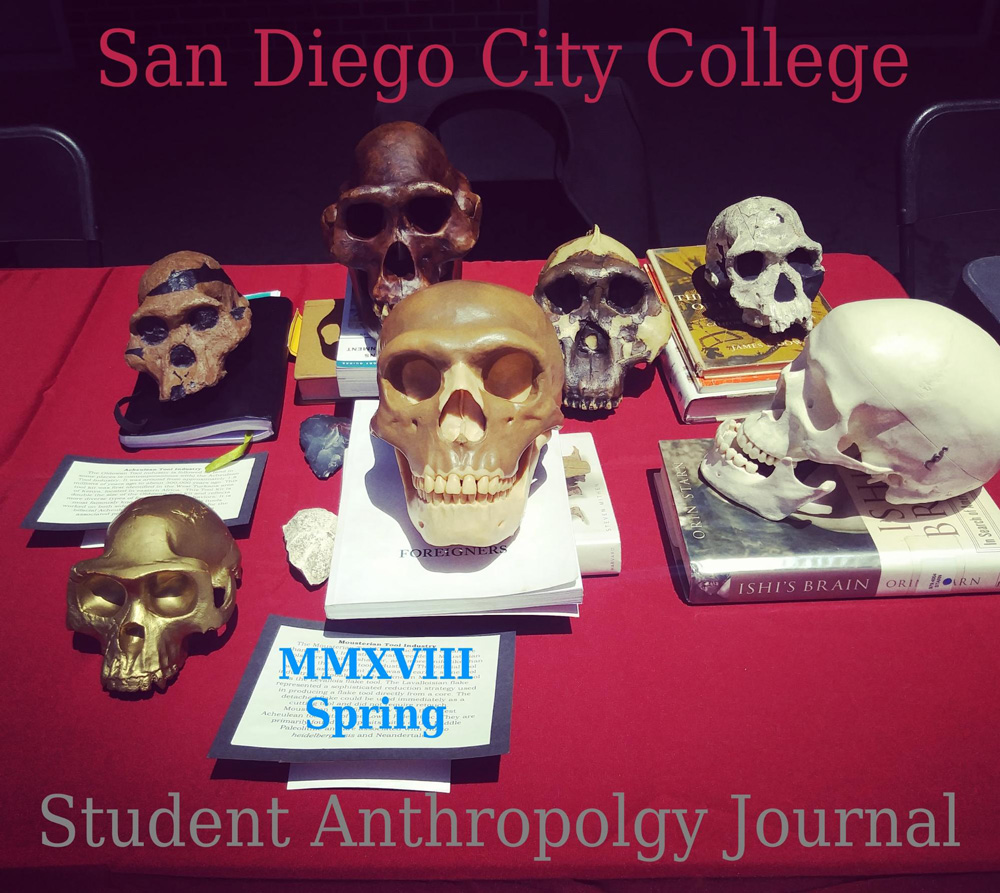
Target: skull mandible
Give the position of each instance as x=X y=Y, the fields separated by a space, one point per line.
x=470 y=379
x=759 y=252
x=881 y=387
x=606 y=314
x=170 y=568
x=404 y=219
x=190 y=318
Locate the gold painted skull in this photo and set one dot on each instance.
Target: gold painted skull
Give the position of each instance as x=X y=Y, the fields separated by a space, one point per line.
x=170 y=568
x=190 y=318
x=404 y=219
x=470 y=382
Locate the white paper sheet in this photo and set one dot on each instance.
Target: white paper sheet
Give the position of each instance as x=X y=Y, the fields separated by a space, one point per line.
x=94 y=492
x=276 y=714
x=390 y=775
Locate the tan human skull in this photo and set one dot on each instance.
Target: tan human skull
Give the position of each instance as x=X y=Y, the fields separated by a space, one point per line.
x=170 y=568
x=470 y=381
x=759 y=252
x=404 y=219
x=190 y=318
x=607 y=316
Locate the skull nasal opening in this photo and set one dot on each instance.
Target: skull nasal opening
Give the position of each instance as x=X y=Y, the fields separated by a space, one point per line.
x=399 y=262
x=131 y=639
x=591 y=339
x=462 y=420
x=182 y=356
x=784 y=291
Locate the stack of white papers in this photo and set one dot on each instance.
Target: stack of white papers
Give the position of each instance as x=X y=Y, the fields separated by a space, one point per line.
x=382 y=567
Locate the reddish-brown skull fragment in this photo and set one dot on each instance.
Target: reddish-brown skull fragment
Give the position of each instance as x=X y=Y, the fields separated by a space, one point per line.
x=403 y=220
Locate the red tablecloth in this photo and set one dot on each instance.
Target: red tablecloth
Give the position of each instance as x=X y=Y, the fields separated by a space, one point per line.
x=886 y=703
x=44 y=313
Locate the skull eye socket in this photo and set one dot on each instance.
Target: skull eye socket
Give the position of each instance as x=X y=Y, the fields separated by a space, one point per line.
x=625 y=293
x=802 y=259
x=820 y=407
x=429 y=213
x=778 y=403
x=415 y=377
x=172 y=593
x=203 y=318
x=511 y=376
x=749 y=265
x=152 y=329
x=101 y=595
x=564 y=293
x=365 y=220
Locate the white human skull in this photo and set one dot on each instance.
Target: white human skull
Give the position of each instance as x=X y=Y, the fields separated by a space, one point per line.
x=907 y=392
x=470 y=377
x=758 y=250
x=606 y=314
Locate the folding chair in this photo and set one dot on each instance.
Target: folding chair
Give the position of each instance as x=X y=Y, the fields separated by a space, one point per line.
x=948 y=195
x=47 y=211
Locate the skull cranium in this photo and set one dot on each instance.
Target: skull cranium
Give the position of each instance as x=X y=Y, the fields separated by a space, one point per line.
x=470 y=378
x=606 y=314
x=758 y=250
x=881 y=387
x=190 y=318
x=170 y=569
x=404 y=219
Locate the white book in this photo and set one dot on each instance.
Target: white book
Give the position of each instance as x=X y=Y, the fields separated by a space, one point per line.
x=356 y=353
x=595 y=529
x=381 y=566
x=721 y=402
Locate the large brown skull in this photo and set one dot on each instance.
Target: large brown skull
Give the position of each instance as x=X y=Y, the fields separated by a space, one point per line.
x=170 y=568
x=404 y=219
x=190 y=318
x=470 y=378
x=606 y=314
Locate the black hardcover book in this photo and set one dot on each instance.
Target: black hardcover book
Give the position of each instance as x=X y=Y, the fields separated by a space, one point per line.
x=248 y=399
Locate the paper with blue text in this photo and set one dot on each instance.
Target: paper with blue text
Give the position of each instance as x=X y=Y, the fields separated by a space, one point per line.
x=313 y=694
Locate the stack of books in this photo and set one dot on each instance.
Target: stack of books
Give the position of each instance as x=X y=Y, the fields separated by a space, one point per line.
x=865 y=547
x=356 y=354
x=717 y=366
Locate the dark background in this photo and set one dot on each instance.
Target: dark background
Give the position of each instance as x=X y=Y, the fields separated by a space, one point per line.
x=243 y=172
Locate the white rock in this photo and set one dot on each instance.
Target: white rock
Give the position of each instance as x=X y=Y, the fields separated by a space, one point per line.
x=309 y=539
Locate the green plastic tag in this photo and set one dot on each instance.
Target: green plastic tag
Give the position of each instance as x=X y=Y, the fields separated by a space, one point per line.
x=232 y=455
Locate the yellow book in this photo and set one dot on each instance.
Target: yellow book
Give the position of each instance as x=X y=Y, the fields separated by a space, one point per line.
x=716 y=341
x=316 y=363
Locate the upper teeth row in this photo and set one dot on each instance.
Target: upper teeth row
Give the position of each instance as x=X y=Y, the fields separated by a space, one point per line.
x=752 y=450
x=383 y=311
x=731 y=431
x=469 y=484
x=592 y=403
